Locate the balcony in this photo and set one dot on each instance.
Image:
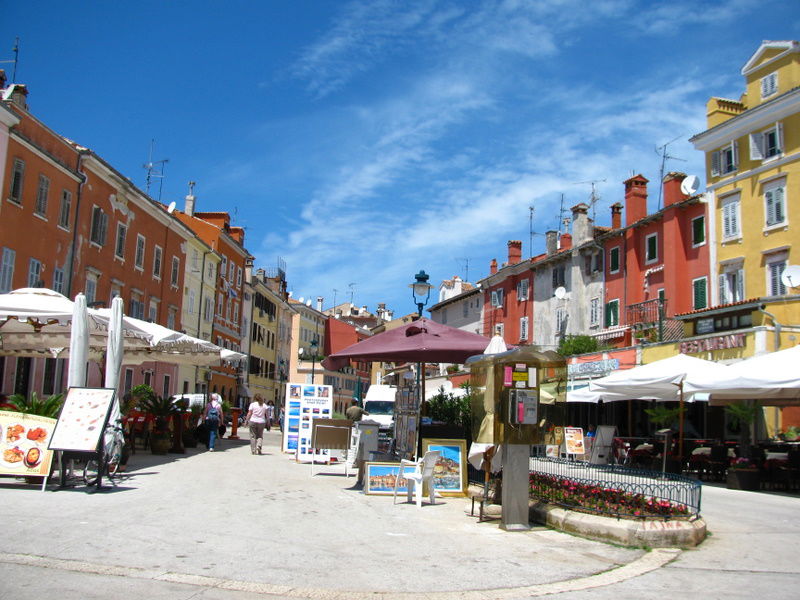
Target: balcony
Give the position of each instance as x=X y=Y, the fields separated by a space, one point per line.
x=649 y=321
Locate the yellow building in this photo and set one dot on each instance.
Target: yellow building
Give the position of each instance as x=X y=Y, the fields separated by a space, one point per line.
x=752 y=148
x=307 y=342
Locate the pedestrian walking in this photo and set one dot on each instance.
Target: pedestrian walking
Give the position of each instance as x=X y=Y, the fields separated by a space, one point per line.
x=270 y=414
x=280 y=419
x=212 y=417
x=256 y=419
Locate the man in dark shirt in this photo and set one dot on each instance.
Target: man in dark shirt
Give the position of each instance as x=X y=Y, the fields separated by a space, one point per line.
x=355 y=412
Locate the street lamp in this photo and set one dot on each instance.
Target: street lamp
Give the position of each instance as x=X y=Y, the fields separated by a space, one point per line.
x=420 y=288
x=314 y=344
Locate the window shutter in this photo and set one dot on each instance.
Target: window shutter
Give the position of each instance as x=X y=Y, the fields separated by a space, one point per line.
x=770 y=206
x=723 y=289
x=700 y=294
x=779 y=137
x=494 y=298
x=735 y=152
x=778 y=205
x=715 y=163
x=757 y=146
x=740 y=285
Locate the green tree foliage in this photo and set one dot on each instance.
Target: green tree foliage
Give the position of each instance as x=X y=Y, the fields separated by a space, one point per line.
x=577 y=344
x=450 y=409
x=47 y=407
x=662 y=416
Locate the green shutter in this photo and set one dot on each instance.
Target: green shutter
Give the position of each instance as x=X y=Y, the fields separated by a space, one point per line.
x=700 y=294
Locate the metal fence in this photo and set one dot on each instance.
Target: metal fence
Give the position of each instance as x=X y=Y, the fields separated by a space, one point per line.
x=650 y=487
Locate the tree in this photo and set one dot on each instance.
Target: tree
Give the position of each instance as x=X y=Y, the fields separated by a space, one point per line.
x=577 y=344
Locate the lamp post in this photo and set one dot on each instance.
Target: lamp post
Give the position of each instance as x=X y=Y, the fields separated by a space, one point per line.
x=421 y=293
x=314 y=344
x=420 y=288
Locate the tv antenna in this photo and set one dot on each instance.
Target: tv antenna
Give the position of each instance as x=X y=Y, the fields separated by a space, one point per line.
x=15 y=50
x=531 y=232
x=466 y=267
x=352 y=287
x=562 y=219
x=335 y=291
x=662 y=152
x=155 y=170
x=593 y=197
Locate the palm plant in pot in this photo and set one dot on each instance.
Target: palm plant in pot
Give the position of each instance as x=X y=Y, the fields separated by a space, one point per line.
x=161 y=408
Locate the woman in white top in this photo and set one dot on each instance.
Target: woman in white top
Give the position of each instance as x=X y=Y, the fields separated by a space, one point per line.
x=257 y=420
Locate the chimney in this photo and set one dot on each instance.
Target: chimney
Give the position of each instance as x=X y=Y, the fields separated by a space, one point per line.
x=514 y=251
x=363 y=311
x=190 y=198
x=672 y=188
x=551 y=242
x=635 y=199
x=565 y=241
x=319 y=303
x=493 y=267
x=18 y=94
x=616 y=215
x=261 y=275
x=582 y=227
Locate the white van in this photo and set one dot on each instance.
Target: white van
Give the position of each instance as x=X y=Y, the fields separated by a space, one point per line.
x=379 y=403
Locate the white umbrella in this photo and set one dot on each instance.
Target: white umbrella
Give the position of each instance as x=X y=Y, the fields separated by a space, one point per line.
x=496 y=345
x=78 y=344
x=771 y=378
x=115 y=347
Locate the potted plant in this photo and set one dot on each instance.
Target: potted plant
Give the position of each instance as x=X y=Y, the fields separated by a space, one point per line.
x=742 y=416
x=47 y=407
x=161 y=408
x=743 y=475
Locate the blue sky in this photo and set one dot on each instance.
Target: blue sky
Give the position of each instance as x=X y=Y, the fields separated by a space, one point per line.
x=364 y=141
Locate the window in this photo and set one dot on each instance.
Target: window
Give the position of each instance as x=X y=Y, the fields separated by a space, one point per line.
x=597 y=262
x=41 y=196
x=58 y=280
x=236 y=313
x=211 y=268
x=128 y=385
x=157 y=262
x=774 y=203
x=559 y=276
x=91 y=288
x=7 y=270
x=148 y=377
x=766 y=144
x=731 y=286
x=34 y=273
x=730 y=217
x=238 y=276
x=119 y=248
x=63 y=212
x=594 y=312
x=561 y=321
x=231 y=271
x=190 y=303
x=465 y=309
x=152 y=310
x=195 y=261
x=612 y=313
x=167 y=387
x=775 y=286
x=172 y=317
x=522 y=289
x=613 y=260
x=769 y=85
x=219 y=304
x=208 y=309
x=444 y=316
x=223 y=266
x=228 y=307
x=15 y=191
x=176 y=268
x=651 y=248
x=523 y=328
x=99 y=226
x=699 y=231
x=139 y=258
x=49 y=378
x=137 y=306
x=699 y=293
x=497 y=298
x=725 y=160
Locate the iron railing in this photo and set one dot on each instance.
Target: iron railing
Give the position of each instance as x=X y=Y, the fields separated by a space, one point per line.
x=646 y=313
x=677 y=490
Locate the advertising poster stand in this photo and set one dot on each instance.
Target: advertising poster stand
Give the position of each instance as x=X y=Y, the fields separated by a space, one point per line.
x=305 y=403
x=79 y=431
x=23 y=447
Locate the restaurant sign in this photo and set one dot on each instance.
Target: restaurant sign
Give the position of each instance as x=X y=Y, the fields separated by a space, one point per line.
x=720 y=342
x=596 y=367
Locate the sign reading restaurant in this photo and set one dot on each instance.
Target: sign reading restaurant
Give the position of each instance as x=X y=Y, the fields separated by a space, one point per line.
x=720 y=342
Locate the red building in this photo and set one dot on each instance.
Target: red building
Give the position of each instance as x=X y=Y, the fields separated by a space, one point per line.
x=508 y=297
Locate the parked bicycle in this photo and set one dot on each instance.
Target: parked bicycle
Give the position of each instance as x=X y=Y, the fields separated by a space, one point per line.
x=111 y=456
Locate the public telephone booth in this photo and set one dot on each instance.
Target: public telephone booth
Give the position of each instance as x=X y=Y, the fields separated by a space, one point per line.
x=518 y=399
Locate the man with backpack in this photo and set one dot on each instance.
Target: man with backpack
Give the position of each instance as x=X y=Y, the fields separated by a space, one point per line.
x=212 y=417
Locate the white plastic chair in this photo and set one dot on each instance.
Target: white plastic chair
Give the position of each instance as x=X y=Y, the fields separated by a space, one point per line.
x=417 y=473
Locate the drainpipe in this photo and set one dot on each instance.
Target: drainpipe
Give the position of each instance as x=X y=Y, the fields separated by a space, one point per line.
x=775 y=323
x=200 y=314
x=74 y=243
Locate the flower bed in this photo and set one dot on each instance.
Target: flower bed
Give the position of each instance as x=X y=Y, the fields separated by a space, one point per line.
x=595 y=499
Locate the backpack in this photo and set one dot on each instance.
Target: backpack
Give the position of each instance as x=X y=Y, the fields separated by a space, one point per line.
x=213 y=414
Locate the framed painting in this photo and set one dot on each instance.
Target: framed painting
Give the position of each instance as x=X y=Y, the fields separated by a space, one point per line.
x=450 y=473
x=380 y=478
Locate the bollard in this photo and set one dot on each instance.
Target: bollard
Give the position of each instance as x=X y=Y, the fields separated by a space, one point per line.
x=234 y=423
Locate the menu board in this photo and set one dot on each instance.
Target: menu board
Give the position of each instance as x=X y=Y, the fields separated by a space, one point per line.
x=573 y=437
x=23 y=444
x=82 y=419
x=304 y=403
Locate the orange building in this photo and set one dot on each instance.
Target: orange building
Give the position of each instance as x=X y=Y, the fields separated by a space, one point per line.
x=214 y=229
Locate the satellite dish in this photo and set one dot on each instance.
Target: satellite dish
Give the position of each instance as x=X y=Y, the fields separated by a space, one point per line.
x=308 y=302
x=791 y=276
x=560 y=292
x=690 y=185
x=171 y=207
x=301 y=300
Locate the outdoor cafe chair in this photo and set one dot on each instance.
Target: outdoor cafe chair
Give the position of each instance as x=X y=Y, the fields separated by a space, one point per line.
x=418 y=473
